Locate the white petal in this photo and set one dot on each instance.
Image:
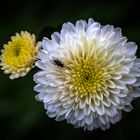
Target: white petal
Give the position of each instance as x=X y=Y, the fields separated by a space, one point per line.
x=81 y=25
x=70 y=100
x=109 y=111
x=135 y=72
x=128 y=64
x=92 y=106
x=106 y=102
x=39 y=88
x=128 y=80
x=119 y=84
x=99 y=96
x=96 y=101
x=123 y=40
x=114 y=90
x=124 y=92
x=137 y=62
x=137 y=83
x=116 y=76
x=89 y=119
x=49 y=45
x=48 y=97
x=82 y=103
x=110 y=84
x=100 y=109
x=128 y=108
x=118 y=31
x=135 y=92
x=40 y=96
x=43 y=55
x=102 y=119
x=56 y=37
x=40 y=77
x=125 y=101
x=106 y=93
x=93 y=31
x=69 y=27
x=50 y=89
x=90 y=21
x=69 y=113
x=115 y=119
x=41 y=65
x=60 y=118
x=131 y=48
x=110 y=62
x=51 y=115
x=123 y=69
x=114 y=100
x=107 y=31
x=87 y=110
x=88 y=100
x=79 y=115
x=72 y=120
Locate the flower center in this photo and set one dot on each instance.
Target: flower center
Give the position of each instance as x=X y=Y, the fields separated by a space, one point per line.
x=87 y=78
x=16 y=50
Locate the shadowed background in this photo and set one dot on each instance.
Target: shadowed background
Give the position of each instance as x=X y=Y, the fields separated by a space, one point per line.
x=21 y=117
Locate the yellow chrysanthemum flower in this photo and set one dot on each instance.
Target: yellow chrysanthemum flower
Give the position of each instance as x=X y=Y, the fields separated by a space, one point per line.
x=19 y=55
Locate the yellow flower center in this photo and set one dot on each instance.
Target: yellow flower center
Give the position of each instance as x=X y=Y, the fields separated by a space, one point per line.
x=87 y=78
x=16 y=50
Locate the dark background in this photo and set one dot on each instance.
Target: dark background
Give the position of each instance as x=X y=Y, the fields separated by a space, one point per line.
x=23 y=118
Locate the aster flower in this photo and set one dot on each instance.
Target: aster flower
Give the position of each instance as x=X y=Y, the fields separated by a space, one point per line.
x=19 y=55
x=89 y=74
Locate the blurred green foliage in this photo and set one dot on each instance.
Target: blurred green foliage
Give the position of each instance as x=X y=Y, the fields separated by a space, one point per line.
x=21 y=117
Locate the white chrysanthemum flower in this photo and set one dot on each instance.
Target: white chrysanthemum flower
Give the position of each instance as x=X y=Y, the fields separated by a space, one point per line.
x=89 y=74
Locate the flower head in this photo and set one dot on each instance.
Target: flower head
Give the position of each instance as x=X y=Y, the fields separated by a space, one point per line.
x=89 y=74
x=19 y=55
